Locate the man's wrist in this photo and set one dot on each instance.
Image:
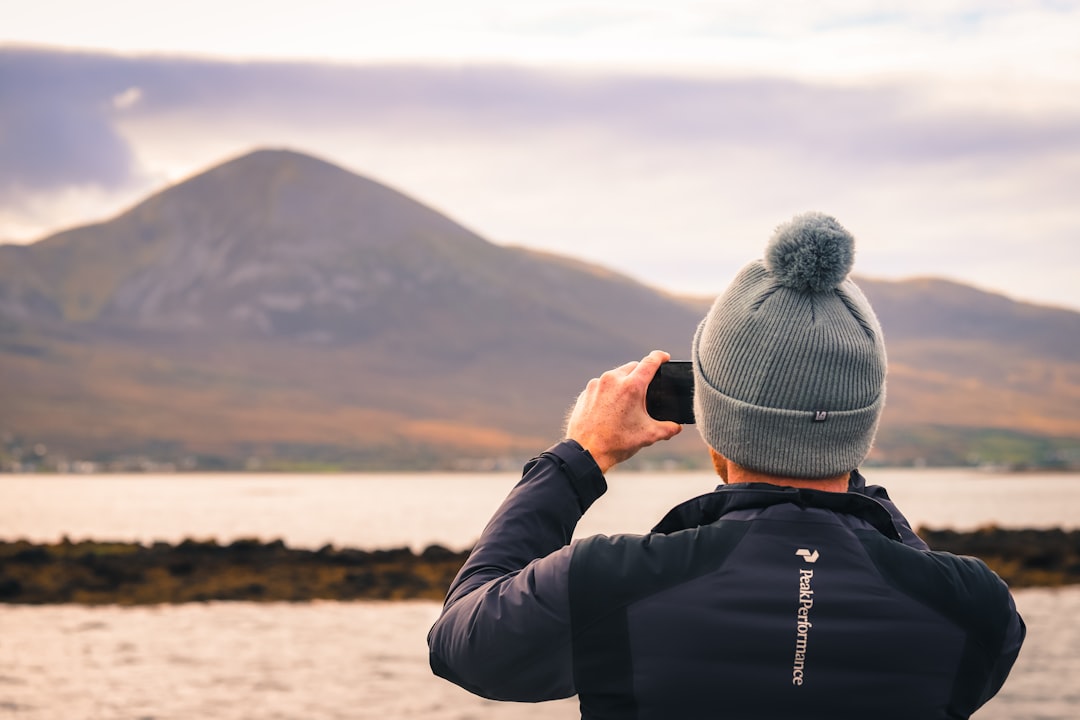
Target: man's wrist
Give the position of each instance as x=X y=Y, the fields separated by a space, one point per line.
x=602 y=460
x=581 y=469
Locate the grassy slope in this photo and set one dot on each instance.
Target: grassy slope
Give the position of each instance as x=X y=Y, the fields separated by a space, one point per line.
x=95 y=399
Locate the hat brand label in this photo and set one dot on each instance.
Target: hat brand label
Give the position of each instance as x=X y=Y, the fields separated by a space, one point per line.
x=820 y=415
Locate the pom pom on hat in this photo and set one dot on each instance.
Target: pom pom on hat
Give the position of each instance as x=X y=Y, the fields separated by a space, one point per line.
x=811 y=253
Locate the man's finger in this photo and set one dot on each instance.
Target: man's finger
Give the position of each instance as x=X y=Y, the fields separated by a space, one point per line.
x=650 y=363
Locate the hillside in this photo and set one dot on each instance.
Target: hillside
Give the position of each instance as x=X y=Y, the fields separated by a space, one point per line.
x=977 y=377
x=279 y=306
x=280 y=311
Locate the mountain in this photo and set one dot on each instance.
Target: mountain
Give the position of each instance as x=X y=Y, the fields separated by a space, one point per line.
x=280 y=310
x=977 y=377
x=280 y=305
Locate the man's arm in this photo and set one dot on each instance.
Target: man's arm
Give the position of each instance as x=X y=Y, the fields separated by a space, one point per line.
x=504 y=632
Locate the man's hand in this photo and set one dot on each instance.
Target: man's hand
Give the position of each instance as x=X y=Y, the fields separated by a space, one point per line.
x=609 y=419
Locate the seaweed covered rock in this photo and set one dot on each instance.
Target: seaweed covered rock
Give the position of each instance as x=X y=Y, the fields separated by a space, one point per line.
x=195 y=571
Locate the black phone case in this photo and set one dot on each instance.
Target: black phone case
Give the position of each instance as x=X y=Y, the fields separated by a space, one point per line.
x=670 y=395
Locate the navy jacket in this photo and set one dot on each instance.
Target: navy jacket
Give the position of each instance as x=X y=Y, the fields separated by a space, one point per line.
x=754 y=601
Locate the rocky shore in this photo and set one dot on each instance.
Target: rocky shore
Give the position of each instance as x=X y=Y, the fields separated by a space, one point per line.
x=1023 y=558
x=96 y=573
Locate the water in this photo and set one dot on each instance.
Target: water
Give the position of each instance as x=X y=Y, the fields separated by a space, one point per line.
x=235 y=661
x=396 y=510
x=247 y=661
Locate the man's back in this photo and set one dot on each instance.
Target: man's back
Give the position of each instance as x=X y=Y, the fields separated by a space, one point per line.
x=779 y=612
x=753 y=601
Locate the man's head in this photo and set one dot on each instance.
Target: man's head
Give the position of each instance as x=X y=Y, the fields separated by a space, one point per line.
x=789 y=363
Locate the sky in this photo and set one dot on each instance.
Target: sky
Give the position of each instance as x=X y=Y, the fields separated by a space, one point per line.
x=662 y=140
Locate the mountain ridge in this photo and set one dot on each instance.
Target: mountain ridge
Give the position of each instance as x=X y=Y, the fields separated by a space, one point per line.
x=281 y=308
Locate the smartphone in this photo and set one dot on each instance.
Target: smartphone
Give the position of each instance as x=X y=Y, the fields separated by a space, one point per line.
x=671 y=393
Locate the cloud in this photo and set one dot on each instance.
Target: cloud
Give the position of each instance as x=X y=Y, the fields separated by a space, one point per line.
x=822 y=40
x=55 y=127
x=60 y=105
x=674 y=179
x=127 y=99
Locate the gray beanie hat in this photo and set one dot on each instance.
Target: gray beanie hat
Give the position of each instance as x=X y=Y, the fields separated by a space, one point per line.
x=789 y=364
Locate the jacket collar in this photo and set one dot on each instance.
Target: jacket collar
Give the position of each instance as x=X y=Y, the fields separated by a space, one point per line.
x=707 y=509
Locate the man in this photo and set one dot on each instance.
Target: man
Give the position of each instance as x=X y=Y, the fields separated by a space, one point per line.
x=793 y=591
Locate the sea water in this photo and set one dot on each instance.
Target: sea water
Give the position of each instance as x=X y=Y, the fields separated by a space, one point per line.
x=398 y=510
x=236 y=661
x=309 y=661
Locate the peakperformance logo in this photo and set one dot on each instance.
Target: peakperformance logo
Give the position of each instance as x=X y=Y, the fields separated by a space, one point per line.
x=802 y=615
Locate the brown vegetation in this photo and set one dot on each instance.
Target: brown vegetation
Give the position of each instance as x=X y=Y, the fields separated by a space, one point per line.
x=96 y=573
x=1023 y=558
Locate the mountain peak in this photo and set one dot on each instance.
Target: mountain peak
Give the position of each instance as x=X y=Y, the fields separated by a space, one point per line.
x=269 y=177
x=276 y=162
x=279 y=244
x=240 y=244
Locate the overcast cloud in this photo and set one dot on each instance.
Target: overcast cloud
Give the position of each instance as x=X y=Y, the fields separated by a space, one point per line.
x=674 y=177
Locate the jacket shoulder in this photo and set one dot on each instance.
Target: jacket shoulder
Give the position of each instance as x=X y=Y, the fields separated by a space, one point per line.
x=963 y=588
x=607 y=572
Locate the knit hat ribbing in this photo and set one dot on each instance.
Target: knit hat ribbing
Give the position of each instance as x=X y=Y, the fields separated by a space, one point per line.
x=789 y=363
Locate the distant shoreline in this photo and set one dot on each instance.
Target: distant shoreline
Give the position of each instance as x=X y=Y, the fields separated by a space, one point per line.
x=493 y=467
x=104 y=573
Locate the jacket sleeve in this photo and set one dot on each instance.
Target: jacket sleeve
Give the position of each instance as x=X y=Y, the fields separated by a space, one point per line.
x=504 y=632
x=1015 y=632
